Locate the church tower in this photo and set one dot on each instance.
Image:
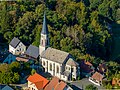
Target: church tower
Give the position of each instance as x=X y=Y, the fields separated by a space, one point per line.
x=44 y=41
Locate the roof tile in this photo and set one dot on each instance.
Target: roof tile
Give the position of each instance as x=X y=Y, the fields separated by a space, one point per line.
x=55 y=55
x=32 y=51
x=15 y=41
x=97 y=76
x=38 y=80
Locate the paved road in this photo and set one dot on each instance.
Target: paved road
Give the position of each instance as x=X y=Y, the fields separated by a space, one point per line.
x=83 y=83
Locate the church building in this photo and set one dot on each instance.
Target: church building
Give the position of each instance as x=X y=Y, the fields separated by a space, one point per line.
x=56 y=62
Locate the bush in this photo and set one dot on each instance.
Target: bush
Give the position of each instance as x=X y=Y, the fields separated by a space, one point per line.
x=91 y=87
x=33 y=71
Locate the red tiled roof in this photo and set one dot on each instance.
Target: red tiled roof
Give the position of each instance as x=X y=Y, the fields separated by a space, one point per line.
x=60 y=86
x=39 y=84
x=97 y=76
x=52 y=84
x=38 y=80
x=88 y=63
x=55 y=84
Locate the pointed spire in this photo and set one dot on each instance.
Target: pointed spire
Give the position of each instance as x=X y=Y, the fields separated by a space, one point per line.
x=44 y=27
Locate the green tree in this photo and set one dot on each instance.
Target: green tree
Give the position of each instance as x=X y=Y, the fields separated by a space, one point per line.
x=8 y=36
x=91 y=87
x=94 y=4
x=25 y=27
x=33 y=71
x=4 y=19
x=7 y=75
x=36 y=32
x=66 y=44
x=15 y=66
x=16 y=78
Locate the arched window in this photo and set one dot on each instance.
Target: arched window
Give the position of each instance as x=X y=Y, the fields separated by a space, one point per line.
x=50 y=67
x=57 y=69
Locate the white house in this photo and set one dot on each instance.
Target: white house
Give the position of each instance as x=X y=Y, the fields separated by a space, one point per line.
x=56 y=62
x=37 y=82
x=16 y=47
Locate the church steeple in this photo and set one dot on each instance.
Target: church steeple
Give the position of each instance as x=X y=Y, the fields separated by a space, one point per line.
x=44 y=27
x=44 y=41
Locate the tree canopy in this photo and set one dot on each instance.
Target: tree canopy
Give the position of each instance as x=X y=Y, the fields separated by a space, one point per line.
x=75 y=26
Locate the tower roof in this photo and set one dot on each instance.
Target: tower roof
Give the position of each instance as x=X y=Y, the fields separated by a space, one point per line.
x=44 y=27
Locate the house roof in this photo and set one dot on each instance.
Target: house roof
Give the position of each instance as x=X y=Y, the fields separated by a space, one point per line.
x=88 y=63
x=71 y=62
x=52 y=84
x=22 y=59
x=38 y=80
x=55 y=84
x=44 y=27
x=15 y=41
x=32 y=51
x=55 y=55
x=7 y=88
x=60 y=86
x=7 y=58
x=97 y=76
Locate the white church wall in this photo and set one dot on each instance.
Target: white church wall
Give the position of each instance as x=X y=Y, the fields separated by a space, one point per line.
x=58 y=69
x=45 y=64
x=51 y=67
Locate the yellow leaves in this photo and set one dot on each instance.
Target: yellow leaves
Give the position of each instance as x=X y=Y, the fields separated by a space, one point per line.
x=94 y=15
x=96 y=25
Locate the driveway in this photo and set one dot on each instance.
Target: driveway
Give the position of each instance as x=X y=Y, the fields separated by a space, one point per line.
x=83 y=83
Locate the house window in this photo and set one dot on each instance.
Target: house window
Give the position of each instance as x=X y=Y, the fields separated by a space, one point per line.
x=66 y=68
x=42 y=42
x=69 y=68
x=57 y=69
x=72 y=69
x=43 y=63
x=50 y=67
